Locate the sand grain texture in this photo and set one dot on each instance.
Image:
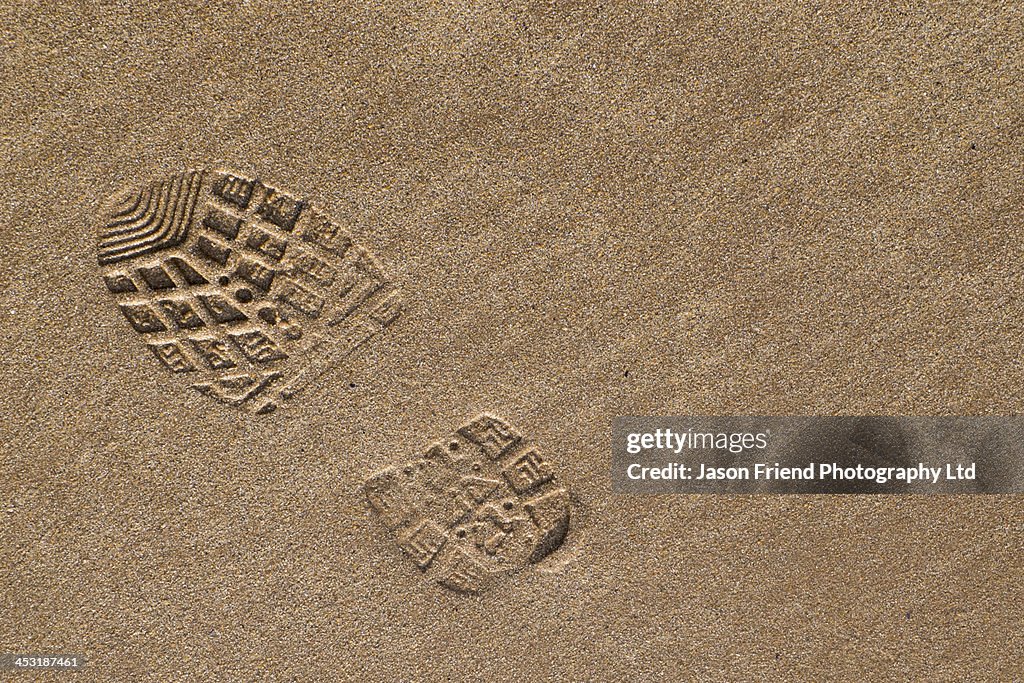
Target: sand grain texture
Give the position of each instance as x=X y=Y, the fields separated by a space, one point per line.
x=591 y=210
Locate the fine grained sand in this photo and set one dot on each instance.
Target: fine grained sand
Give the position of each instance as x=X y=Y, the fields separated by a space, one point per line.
x=591 y=211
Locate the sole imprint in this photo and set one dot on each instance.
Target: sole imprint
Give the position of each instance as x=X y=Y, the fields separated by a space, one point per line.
x=245 y=293
x=478 y=505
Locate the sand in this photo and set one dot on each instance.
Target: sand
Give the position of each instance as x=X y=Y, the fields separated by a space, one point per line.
x=590 y=211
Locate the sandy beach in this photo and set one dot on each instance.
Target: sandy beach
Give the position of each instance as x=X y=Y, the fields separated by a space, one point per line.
x=459 y=239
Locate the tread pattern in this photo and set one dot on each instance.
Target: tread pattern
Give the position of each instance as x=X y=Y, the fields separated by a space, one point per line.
x=476 y=506
x=159 y=218
x=244 y=293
